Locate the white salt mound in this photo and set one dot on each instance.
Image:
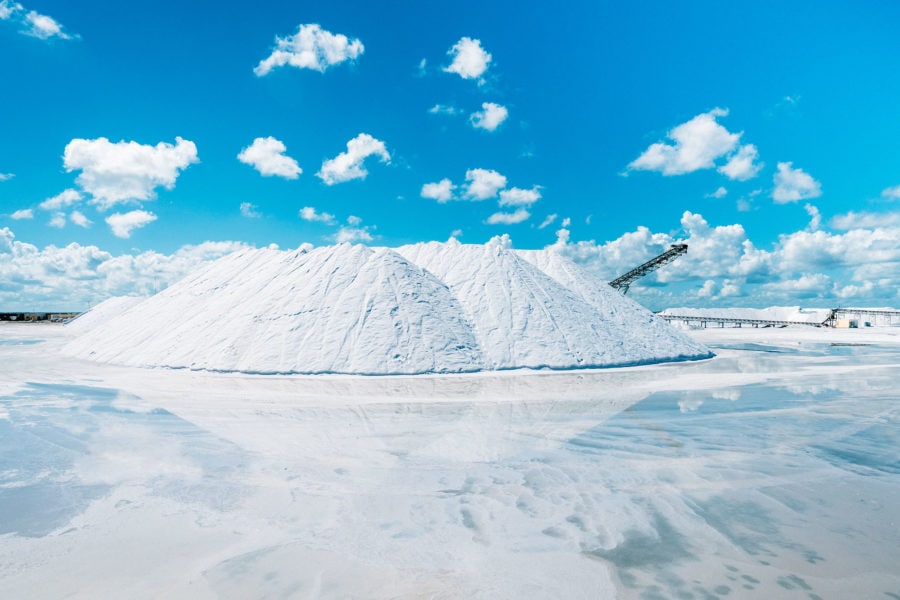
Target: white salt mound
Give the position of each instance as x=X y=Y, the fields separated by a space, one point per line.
x=105 y=310
x=426 y=308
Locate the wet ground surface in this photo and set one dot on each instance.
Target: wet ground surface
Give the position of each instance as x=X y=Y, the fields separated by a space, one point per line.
x=786 y=487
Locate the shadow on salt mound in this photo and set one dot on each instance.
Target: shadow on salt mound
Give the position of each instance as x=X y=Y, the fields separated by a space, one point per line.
x=336 y=309
x=525 y=317
x=641 y=331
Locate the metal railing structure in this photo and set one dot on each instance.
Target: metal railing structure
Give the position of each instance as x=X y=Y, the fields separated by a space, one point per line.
x=623 y=282
x=737 y=322
x=891 y=317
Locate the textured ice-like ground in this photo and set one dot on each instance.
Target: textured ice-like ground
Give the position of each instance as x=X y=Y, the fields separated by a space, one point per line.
x=771 y=471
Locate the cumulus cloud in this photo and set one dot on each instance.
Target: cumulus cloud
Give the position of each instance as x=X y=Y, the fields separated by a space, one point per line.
x=25 y=213
x=504 y=218
x=310 y=48
x=267 y=155
x=349 y=165
x=547 y=221
x=814 y=267
x=519 y=197
x=120 y=172
x=815 y=217
x=743 y=164
x=865 y=220
x=308 y=213
x=696 y=145
x=444 y=109
x=720 y=192
x=442 y=190
x=490 y=117
x=470 y=60
x=891 y=193
x=79 y=219
x=792 y=185
x=353 y=232
x=7 y=9
x=249 y=210
x=483 y=183
x=6 y=176
x=63 y=199
x=33 y=23
x=58 y=220
x=44 y=27
x=122 y=224
x=75 y=277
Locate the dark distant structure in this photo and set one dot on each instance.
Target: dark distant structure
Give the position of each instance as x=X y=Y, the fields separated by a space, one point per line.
x=32 y=317
x=623 y=282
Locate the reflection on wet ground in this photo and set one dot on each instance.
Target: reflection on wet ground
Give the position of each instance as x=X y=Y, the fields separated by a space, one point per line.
x=521 y=485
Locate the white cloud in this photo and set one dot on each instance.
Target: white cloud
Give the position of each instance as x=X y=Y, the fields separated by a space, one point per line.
x=484 y=183
x=63 y=199
x=267 y=155
x=470 y=60
x=815 y=217
x=8 y=9
x=310 y=48
x=810 y=267
x=444 y=109
x=442 y=191
x=122 y=224
x=519 y=197
x=33 y=23
x=721 y=192
x=58 y=220
x=249 y=210
x=490 y=117
x=6 y=176
x=865 y=220
x=566 y=222
x=792 y=185
x=120 y=172
x=308 y=213
x=742 y=165
x=44 y=27
x=456 y=233
x=697 y=145
x=891 y=193
x=548 y=221
x=502 y=218
x=79 y=219
x=75 y=277
x=353 y=232
x=25 y=213
x=349 y=165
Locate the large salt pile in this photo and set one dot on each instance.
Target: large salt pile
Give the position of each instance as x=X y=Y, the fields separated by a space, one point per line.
x=427 y=308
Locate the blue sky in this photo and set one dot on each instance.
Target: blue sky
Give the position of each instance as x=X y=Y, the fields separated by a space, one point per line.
x=765 y=134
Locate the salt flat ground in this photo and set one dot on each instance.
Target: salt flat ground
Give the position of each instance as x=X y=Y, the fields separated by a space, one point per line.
x=770 y=471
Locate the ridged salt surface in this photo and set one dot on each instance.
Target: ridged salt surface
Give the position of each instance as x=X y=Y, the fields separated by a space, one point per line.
x=425 y=308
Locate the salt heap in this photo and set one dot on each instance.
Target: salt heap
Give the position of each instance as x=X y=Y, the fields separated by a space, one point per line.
x=425 y=308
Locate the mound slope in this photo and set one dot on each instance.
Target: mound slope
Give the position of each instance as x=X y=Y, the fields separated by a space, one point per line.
x=425 y=308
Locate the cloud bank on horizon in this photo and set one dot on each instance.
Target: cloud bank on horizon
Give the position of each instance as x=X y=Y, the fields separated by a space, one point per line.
x=475 y=139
